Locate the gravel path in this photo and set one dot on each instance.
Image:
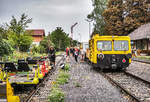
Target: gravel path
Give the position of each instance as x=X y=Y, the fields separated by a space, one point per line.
x=140 y=69
x=87 y=85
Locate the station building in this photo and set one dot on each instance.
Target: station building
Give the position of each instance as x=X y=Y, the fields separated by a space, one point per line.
x=37 y=34
x=141 y=38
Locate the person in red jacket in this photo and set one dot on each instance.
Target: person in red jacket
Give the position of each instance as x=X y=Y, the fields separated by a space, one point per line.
x=76 y=54
x=67 y=53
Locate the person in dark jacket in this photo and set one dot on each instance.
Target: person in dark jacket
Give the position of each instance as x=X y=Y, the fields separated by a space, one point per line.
x=71 y=51
x=51 y=55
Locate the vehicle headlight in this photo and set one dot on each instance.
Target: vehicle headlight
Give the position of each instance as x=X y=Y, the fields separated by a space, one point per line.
x=101 y=56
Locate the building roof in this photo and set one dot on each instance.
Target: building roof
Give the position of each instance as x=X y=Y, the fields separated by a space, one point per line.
x=143 y=32
x=36 y=32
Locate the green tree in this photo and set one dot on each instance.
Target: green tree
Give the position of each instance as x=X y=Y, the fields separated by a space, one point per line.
x=137 y=13
x=96 y=16
x=3 y=32
x=45 y=44
x=23 y=41
x=114 y=17
x=5 y=48
x=75 y=43
x=124 y=16
x=17 y=35
x=19 y=26
x=59 y=38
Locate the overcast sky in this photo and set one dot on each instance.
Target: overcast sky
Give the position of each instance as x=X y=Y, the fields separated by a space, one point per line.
x=49 y=14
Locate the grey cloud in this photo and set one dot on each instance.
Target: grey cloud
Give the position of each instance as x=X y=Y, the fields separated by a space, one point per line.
x=49 y=14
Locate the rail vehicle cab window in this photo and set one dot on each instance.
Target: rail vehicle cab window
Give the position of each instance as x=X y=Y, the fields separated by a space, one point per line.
x=86 y=46
x=104 y=45
x=121 y=45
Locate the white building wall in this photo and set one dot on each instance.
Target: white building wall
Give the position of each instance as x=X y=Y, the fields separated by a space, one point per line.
x=36 y=43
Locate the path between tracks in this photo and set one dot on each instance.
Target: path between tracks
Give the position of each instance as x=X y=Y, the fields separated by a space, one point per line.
x=88 y=85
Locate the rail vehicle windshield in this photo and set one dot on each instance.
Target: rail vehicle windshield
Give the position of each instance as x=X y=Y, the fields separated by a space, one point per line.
x=104 y=45
x=86 y=46
x=121 y=45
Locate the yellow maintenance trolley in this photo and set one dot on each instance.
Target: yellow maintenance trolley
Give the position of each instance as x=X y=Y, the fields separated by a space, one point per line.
x=109 y=52
x=6 y=91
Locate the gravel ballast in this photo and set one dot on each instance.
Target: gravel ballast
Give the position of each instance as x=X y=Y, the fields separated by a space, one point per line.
x=88 y=85
x=134 y=86
x=139 y=69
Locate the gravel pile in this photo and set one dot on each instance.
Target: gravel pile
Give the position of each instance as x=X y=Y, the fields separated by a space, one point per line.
x=139 y=69
x=137 y=88
x=88 y=85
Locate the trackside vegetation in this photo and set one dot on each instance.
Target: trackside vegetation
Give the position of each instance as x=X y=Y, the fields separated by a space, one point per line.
x=15 y=39
x=57 y=94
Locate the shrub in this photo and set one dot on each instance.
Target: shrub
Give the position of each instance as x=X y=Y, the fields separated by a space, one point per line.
x=56 y=95
x=5 y=48
x=61 y=81
x=63 y=74
x=66 y=67
x=62 y=78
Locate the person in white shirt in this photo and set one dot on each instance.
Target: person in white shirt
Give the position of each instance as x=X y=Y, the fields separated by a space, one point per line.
x=82 y=54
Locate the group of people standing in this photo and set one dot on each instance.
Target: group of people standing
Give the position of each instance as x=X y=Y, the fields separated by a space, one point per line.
x=75 y=52
x=72 y=51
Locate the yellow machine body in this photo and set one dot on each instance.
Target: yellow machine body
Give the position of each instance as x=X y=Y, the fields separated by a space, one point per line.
x=94 y=52
x=6 y=93
x=26 y=80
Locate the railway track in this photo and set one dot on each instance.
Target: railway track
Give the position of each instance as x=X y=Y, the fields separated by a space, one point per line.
x=136 y=88
x=142 y=61
x=29 y=94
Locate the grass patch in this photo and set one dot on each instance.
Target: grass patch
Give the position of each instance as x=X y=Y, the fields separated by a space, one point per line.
x=62 y=78
x=61 y=81
x=58 y=53
x=57 y=95
x=144 y=57
x=67 y=67
x=77 y=84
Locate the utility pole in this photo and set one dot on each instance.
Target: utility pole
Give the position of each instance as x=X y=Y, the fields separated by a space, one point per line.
x=72 y=29
x=79 y=42
x=79 y=37
x=89 y=26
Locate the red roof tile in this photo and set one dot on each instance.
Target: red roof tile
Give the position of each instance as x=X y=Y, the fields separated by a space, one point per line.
x=36 y=31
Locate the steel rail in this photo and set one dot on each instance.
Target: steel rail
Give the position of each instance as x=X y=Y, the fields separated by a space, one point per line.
x=142 y=61
x=121 y=87
x=29 y=97
x=137 y=78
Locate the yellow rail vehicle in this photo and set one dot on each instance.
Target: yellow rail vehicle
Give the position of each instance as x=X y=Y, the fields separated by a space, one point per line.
x=23 y=74
x=110 y=51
